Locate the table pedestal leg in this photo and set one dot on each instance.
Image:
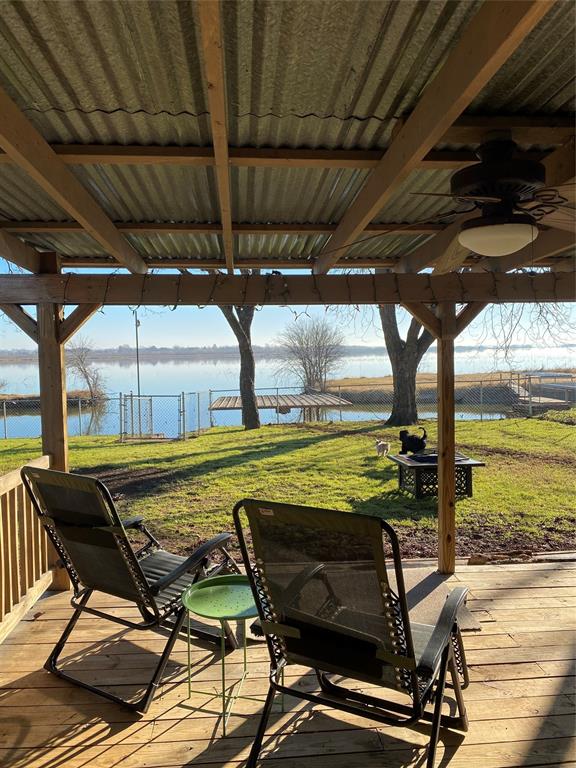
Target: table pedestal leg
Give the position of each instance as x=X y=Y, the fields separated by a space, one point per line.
x=223 y=654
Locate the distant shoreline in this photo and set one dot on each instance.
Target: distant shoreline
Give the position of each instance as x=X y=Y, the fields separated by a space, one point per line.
x=127 y=355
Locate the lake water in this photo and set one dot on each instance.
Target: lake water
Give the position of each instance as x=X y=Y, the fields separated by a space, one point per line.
x=199 y=376
x=203 y=381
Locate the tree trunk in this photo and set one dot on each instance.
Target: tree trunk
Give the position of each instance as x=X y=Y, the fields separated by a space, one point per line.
x=250 y=415
x=405 y=357
x=240 y=320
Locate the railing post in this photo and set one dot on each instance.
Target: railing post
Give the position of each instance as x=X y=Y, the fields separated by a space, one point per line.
x=277 y=406
x=5 y=420
x=340 y=398
x=132 y=412
x=198 y=410
x=151 y=417
x=530 y=396
x=481 y=400
x=80 y=416
x=210 y=407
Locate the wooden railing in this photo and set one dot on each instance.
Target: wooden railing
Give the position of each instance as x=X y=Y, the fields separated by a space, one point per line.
x=25 y=552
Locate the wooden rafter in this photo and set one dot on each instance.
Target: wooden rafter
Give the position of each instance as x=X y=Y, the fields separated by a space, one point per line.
x=14 y=250
x=467 y=130
x=271 y=262
x=487 y=42
x=171 y=290
x=195 y=228
x=22 y=319
x=28 y=149
x=254 y=157
x=213 y=58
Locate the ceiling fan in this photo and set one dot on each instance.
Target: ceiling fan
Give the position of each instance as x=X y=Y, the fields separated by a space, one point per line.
x=509 y=191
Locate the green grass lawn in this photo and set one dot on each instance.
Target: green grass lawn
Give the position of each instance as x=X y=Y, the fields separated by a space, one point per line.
x=523 y=498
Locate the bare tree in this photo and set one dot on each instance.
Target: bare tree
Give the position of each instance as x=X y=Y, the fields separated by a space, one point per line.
x=79 y=363
x=240 y=320
x=405 y=357
x=310 y=350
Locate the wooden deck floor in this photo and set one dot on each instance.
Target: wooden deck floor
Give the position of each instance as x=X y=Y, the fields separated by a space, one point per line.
x=521 y=699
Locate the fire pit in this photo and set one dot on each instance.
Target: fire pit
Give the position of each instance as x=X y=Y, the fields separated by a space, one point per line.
x=418 y=474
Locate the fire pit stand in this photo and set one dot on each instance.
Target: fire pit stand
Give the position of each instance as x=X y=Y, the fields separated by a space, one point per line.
x=418 y=474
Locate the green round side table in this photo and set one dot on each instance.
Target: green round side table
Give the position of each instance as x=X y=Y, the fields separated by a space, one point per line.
x=226 y=598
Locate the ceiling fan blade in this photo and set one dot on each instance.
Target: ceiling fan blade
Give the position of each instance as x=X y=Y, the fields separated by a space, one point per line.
x=563 y=218
x=472 y=198
x=452 y=258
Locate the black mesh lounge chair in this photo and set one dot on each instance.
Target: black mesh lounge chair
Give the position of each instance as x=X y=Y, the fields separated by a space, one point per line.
x=326 y=600
x=79 y=517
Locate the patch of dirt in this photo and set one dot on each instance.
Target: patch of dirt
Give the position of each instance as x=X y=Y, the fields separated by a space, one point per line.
x=531 y=458
x=124 y=481
x=472 y=539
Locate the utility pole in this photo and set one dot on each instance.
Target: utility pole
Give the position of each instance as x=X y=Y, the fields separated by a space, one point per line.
x=136 y=326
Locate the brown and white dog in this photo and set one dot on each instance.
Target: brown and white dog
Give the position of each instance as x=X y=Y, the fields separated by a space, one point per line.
x=382 y=448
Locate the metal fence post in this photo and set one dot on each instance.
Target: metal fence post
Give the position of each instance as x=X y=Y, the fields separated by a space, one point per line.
x=183 y=399
x=121 y=416
x=210 y=407
x=481 y=400
x=530 y=396
x=80 y=416
x=132 y=412
x=5 y=420
x=198 y=410
x=340 y=398
x=277 y=406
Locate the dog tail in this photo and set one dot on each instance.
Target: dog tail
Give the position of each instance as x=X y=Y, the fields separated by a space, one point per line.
x=425 y=435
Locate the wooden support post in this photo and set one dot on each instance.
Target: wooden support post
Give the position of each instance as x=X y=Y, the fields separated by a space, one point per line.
x=446 y=440
x=53 y=403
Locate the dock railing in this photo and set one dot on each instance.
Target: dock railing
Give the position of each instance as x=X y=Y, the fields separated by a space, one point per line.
x=26 y=555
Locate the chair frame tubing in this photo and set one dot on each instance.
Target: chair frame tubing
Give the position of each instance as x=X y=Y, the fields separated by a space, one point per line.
x=143 y=703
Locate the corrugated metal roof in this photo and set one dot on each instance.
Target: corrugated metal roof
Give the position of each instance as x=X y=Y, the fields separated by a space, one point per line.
x=299 y=74
x=540 y=74
x=293 y=194
x=21 y=198
x=332 y=74
x=105 y=72
x=152 y=193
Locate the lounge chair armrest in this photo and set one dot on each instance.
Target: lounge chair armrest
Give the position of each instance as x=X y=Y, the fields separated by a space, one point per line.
x=299 y=582
x=191 y=563
x=133 y=522
x=442 y=631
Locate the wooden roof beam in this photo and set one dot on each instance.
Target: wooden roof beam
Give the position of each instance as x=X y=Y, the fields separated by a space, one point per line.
x=254 y=290
x=14 y=250
x=208 y=228
x=213 y=58
x=490 y=38
x=28 y=149
x=287 y=157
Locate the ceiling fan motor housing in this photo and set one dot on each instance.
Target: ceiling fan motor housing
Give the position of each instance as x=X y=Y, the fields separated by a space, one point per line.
x=500 y=174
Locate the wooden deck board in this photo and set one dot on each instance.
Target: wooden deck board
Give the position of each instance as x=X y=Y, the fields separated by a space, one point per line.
x=520 y=702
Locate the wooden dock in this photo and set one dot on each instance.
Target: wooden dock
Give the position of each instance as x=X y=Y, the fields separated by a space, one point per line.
x=282 y=402
x=520 y=700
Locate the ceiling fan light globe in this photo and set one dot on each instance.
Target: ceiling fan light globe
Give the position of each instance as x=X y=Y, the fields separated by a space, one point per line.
x=498 y=239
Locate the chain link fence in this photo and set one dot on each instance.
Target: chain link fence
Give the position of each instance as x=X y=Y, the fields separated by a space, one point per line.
x=183 y=415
